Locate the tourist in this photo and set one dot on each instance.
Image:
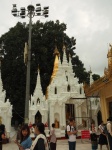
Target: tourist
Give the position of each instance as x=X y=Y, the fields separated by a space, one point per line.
x=102 y=137
x=2 y=134
x=93 y=136
x=109 y=128
x=53 y=138
x=25 y=139
x=71 y=131
x=40 y=142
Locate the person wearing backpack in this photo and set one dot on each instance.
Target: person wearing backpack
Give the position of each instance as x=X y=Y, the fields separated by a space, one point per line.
x=102 y=136
x=71 y=131
x=109 y=128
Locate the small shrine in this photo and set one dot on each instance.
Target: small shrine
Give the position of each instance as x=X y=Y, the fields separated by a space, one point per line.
x=58 y=105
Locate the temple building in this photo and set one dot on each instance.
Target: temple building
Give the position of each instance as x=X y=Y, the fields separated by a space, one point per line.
x=64 y=98
x=102 y=88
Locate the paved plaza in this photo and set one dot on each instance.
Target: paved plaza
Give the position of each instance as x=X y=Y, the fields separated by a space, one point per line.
x=61 y=145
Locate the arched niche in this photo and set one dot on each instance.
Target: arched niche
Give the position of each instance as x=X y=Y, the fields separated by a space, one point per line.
x=38 y=117
x=99 y=117
x=68 y=88
x=55 y=90
x=57 y=120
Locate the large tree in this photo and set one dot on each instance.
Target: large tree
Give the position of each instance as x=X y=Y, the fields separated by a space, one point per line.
x=44 y=38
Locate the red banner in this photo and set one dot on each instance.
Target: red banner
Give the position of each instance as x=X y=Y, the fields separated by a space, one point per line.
x=85 y=134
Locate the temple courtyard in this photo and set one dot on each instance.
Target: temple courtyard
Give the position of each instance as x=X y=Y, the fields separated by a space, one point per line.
x=61 y=145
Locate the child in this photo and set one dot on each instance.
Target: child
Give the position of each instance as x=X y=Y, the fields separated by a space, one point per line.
x=25 y=139
x=93 y=136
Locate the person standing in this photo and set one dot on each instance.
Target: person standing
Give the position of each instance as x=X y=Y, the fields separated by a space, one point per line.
x=53 y=138
x=93 y=137
x=71 y=131
x=102 y=137
x=25 y=139
x=109 y=128
x=40 y=142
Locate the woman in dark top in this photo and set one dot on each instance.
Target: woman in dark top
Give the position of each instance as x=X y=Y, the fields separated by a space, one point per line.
x=40 y=143
x=102 y=137
x=2 y=134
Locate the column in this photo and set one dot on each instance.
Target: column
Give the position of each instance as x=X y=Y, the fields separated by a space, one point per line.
x=51 y=114
x=64 y=116
x=76 y=114
x=80 y=114
x=61 y=117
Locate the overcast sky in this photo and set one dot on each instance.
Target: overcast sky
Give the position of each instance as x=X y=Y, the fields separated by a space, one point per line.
x=89 y=21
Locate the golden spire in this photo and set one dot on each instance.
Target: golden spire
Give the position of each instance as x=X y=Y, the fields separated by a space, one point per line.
x=56 y=52
x=55 y=69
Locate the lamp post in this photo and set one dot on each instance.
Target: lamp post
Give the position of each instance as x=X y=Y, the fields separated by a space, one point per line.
x=31 y=11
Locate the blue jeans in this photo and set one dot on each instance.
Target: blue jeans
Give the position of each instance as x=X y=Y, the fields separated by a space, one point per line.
x=72 y=145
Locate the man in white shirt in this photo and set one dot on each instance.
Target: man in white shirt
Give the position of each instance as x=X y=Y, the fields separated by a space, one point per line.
x=109 y=128
x=71 y=131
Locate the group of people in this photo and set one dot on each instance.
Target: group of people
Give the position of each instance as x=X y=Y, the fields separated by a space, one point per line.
x=40 y=142
x=105 y=137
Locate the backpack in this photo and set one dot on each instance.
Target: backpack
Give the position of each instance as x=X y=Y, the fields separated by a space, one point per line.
x=105 y=131
x=66 y=135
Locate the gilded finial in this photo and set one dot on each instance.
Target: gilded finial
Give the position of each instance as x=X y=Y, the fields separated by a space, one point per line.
x=56 y=52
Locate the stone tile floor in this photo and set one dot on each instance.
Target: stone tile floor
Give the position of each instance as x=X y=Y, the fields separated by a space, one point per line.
x=61 y=145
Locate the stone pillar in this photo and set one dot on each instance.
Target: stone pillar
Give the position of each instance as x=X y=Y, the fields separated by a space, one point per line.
x=63 y=112
x=51 y=114
x=96 y=121
x=60 y=116
x=76 y=114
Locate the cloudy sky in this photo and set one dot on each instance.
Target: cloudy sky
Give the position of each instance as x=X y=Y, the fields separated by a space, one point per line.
x=89 y=21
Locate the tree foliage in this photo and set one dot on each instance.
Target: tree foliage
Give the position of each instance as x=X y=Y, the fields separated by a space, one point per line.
x=44 y=38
